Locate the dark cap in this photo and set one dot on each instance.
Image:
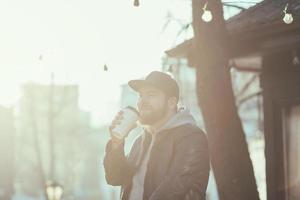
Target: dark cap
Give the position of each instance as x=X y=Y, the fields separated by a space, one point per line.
x=159 y=80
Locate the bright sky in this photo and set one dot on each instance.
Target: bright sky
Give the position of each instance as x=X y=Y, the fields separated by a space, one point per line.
x=76 y=38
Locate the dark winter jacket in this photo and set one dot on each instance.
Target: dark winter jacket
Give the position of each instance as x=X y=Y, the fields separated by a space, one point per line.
x=178 y=167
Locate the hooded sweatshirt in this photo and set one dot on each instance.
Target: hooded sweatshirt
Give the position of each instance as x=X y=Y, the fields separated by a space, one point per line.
x=182 y=117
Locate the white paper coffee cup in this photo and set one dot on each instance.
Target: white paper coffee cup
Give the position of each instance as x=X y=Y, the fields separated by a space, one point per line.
x=130 y=117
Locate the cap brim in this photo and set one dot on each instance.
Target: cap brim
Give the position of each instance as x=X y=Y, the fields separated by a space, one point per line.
x=138 y=84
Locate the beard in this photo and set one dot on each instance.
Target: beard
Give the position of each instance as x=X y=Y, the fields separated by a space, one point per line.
x=149 y=115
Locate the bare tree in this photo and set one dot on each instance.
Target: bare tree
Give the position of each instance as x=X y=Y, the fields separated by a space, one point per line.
x=43 y=106
x=33 y=123
x=228 y=148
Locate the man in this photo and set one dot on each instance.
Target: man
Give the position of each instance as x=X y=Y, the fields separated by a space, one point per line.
x=169 y=161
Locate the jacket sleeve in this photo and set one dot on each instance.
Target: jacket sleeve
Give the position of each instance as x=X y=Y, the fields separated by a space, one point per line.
x=116 y=165
x=189 y=169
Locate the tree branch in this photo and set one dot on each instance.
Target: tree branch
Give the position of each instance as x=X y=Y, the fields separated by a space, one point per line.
x=233 y=6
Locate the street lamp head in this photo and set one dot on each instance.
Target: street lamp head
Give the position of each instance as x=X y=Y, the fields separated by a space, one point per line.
x=54 y=191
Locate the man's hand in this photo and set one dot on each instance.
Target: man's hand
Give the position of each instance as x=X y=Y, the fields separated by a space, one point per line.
x=116 y=142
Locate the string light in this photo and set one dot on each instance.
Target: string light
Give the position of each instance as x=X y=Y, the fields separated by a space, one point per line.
x=288 y=17
x=136 y=3
x=207 y=15
x=105 y=68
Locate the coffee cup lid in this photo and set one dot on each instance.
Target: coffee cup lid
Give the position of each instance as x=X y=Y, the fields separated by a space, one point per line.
x=133 y=109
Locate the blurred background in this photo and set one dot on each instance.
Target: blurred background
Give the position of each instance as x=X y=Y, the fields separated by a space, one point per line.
x=64 y=69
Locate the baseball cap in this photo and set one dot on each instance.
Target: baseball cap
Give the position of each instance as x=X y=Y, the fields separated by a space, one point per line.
x=159 y=80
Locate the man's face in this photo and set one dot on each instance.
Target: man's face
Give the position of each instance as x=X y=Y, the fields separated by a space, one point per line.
x=152 y=105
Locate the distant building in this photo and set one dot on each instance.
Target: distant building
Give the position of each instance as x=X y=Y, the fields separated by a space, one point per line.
x=7 y=132
x=47 y=110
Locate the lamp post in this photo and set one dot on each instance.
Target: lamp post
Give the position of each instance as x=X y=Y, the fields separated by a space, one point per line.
x=54 y=191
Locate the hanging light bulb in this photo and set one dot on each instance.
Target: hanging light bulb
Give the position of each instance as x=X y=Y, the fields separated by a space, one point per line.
x=136 y=3
x=105 y=68
x=288 y=17
x=207 y=15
